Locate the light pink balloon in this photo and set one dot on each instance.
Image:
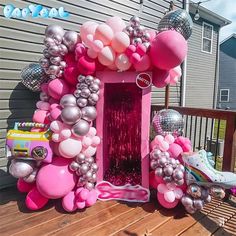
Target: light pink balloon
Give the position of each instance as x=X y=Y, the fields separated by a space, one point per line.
x=107 y=56
x=97 y=45
x=58 y=88
x=91 y=53
x=116 y=23
x=70 y=147
x=86 y=142
x=104 y=33
x=120 y=42
x=169 y=196
x=55 y=180
x=144 y=63
x=43 y=105
x=90 y=151
x=135 y=58
x=88 y=27
x=89 y=40
x=166 y=204
x=56 y=137
x=65 y=133
x=122 y=62
x=68 y=202
x=56 y=126
x=175 y=74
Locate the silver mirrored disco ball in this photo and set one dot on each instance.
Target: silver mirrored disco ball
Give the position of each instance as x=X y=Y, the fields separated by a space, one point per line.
x=178 y=20
x=33 y=76
x=168 y=121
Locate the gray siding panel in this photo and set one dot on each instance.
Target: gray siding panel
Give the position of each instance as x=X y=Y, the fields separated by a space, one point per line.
x=200 y=69
x=21 y=43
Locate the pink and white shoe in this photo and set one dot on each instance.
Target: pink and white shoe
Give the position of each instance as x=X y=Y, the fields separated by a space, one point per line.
x=199 y=170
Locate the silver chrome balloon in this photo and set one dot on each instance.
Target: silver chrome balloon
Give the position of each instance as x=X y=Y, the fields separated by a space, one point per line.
x=81 y=128
x=134 y=21
x=53 y=30
x=89 y=113
x=68 y=100
x=70 y=39
x=178 y=20
x=21 y=168
x=82 y=102
x=33 y=76
x=71 y=115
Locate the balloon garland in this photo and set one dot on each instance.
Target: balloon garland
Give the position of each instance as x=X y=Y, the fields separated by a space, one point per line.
x=69 y=89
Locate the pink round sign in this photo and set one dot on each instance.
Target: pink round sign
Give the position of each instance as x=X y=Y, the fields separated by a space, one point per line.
x=143 y=80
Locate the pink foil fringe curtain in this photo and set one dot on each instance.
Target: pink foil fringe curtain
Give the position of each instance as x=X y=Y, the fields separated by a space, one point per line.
x=122 y=120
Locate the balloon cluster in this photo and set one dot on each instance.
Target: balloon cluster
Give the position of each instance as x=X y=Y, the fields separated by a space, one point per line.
x=58 y=43
x=86 y=169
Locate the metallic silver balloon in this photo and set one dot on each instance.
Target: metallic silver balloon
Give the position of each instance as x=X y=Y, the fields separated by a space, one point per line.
x=54 y=50
x=44 y=62
x=81 y=128
x=94 y=87
x=94 y=167
x=168 y=170
x=55 y=60
x=155 y=154
x=33 y=76
x=44 y=97
x=80 y=158
x=21 y=168
x=146 y=45
x=90 y=160
x=70 y=115
x=53 y=70
x=194 y=190
x=46 y=53
x=62 y=64
x=89 y=186
x=134 y=21
x=89 y=174
x=81 y=78
x=74 y=166
x=82 y=102
x=84 y=168
x=63 y=49
x=85 y=92
x=89 y=113
x=136 y=41
x=167 y=179
x=68 y=100
x=139 y=30
x=159 y=171
x=129 y=30
x=57 y=39
x=187 y=201
x=89 y=79
x=97 y=81
x=168 y=121
x=53 y=30
x=178 y=20
x=179 y=182
x=81 y=86
x=70 y=39
x=217 y=192
x=198 y=204
x=93 y=179
x=48 y=42
x=153 y=164
x=146 y=37
x=32 y=177
x=162 y=161
x=77 y=93
x=93 y=98
x=178 y=174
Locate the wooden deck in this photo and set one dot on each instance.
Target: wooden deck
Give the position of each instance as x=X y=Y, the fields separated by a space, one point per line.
x=113 y=218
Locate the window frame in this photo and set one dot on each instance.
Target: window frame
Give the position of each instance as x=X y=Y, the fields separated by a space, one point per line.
x=224 y=95
x=203 y=24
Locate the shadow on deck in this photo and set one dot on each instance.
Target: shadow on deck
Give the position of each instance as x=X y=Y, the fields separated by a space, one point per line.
x=113 y=218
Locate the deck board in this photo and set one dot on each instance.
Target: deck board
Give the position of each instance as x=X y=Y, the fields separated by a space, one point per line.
x=113 y=218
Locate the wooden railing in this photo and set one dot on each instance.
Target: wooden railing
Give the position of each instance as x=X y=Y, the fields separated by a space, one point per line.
x=206 y=126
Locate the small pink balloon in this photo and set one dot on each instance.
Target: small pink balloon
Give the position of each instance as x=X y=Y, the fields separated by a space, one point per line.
x=122 y=62
x=43 y=105
x=83 y=195
x=130 y=50
x=91 y=53
x=158 y=139
x=169 y=196
x=120 y=42
x=166 y=204
x=68 y=202
x=34 y=200
x=97 y=45
x=65 y=133
x=107 y=56
x=86 y=65
x=160 y=78
x=164 y=146
x=116 y=24
x=92 y=132
x=70 y=147
x=92 y=198
x=80 y=205
x=41 y=116
x=175 y=150
x=55 y=180
x=162 y=188
x=86 y=142
x=90 y=151
x=57 y=88
x=135 y=58
x=55 y=113
x=169 y=138
x=56 y=137
x=144 y=63
x=104 y=33
x=141 y=49
x=80 y=50
x=96 y=141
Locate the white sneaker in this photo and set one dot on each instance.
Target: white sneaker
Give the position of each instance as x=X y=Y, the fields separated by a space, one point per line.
x=199 y=170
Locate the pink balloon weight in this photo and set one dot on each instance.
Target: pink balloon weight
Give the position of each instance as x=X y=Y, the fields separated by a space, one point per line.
x=122 y=62
x=164 y=203
x=70 y=74
x=34 y=200
x=104 y=33
x=160 y=78
x=143 y=64
x=120 y=42
x=58 y=88
x=168 y=49
x=88 y=27
x=55 y=180
x=86 y=65
x=107 y=56
x=116 y=24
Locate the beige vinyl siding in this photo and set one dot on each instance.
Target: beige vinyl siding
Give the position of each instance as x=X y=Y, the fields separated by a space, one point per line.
x=21 y=43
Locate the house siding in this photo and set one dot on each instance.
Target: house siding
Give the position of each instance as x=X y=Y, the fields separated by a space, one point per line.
x=201 y=68
x=21 y=43
x=227 y=74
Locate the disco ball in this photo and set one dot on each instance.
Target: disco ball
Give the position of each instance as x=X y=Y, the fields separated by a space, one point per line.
x=178 y=20
x=33 y=76
x=168 y=121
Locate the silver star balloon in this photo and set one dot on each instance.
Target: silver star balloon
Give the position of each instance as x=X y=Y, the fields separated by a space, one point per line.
x=33 y=76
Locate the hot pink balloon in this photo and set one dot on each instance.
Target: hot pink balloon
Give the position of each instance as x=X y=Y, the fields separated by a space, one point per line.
x=58 y=88
x=116 y=23
x=107 y=56
x=80 y=50
x=120 y=42
x=144 y=63
x=104 y=33
x=122 y=62
x=130 y=50
x=168 y=49
x=91 y=53
x=41 y=116
x=141 y=49
x=135 y=58
x=70 y=74
x=23 y=186
x=55 y=180
x=68 y=202
x=160 y=78
x=86 y=65
x=164 y=203
x=175 y=150
x=87 y=28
